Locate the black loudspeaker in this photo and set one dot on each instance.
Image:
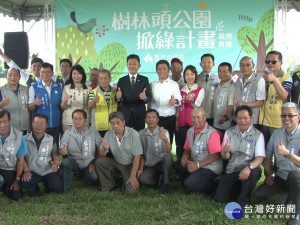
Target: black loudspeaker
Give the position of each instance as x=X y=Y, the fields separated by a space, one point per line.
x=16 y=47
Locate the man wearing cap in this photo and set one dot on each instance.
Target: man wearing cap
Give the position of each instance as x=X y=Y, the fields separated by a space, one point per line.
x=176 y=70
x=209 y=81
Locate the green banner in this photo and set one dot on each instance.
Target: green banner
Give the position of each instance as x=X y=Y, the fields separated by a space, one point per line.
x=98 y=33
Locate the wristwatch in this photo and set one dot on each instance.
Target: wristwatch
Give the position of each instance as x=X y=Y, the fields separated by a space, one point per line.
x=250 y=167
x=288 y=156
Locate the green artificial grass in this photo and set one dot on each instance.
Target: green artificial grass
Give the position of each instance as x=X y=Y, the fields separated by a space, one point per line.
x=89 y=205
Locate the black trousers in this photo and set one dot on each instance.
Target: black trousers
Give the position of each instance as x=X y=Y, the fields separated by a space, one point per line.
x=202 y=180
x=54 y=132
x=230 y=187
x=51 y=182
x=180 y=140
x=169 y=124
x=9 y=177
x=134 y=123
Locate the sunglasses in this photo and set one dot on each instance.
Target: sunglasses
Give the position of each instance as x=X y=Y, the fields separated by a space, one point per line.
x=267 y=61
x=289 y=116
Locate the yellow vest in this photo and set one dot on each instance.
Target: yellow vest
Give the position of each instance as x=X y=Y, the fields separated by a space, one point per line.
x=270 y=111
x=101 y=112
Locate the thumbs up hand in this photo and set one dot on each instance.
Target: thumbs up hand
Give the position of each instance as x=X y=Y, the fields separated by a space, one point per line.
x=281 y=149
x=162 y=135
x=63 y=151
x=143 y=95
x=239 y=102
x=37 y=101
x=54 y=167
x=227 y=147
x=5 y=101
x=105 y=144
x=119 y=94
x=190 y=97
x=67 y=97
x=172 y=101
x=96 y=97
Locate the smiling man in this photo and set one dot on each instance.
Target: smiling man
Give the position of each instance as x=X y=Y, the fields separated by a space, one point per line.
x=102 y=102
x=279 y=86
x=244 y=148
x=44 y=98
x=133 y=92
x=209 y=82
x=79 y=147
x=157 y=157
x=12 y=151
x=166 y=96
x=250 y=88
x=223 y=99
x=284 y=145
x=201 y=162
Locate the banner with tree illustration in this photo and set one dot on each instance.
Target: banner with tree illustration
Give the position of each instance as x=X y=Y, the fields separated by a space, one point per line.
x=98 y=33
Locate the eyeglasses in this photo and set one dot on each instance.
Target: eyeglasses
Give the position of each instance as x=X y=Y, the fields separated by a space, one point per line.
x=289 y=116
x=267 y=61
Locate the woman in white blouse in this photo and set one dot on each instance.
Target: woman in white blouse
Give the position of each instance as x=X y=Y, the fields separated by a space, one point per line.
x=75 y=95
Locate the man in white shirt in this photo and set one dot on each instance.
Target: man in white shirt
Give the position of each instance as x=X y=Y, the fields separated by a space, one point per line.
x=166 y=96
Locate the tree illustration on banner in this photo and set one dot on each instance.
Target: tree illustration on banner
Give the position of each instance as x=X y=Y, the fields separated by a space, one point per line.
x=256 y=42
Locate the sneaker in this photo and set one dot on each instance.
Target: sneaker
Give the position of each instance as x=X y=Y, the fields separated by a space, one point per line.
x=164 y=190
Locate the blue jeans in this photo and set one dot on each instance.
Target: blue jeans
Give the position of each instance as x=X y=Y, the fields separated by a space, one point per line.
x=68 y=166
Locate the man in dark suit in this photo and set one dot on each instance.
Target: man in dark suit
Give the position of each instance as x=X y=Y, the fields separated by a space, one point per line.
x=133 y=93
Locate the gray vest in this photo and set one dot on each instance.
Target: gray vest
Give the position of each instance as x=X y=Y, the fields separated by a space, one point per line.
x=153 y=147
x=9 y=150
x=199 y=148
x=210 y=88
x=39 y=160
x=83 y=153
x=292 y=143
x=221 y=99
x=18 y=106
x=242 y=149
x=246 y=93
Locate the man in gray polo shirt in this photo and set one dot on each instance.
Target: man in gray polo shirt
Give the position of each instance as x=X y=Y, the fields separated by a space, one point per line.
x=125 y=145
x=157 y=157
x=284 y=145
x=79 y=146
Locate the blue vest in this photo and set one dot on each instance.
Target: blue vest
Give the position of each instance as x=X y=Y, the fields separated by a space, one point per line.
x=50 y=106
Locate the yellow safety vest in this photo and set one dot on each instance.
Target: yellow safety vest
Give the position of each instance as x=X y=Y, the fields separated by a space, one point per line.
x=270 y=111
x=102 y=112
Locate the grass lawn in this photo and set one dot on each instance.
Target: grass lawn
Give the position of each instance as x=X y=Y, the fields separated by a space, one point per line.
x=89 y=205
